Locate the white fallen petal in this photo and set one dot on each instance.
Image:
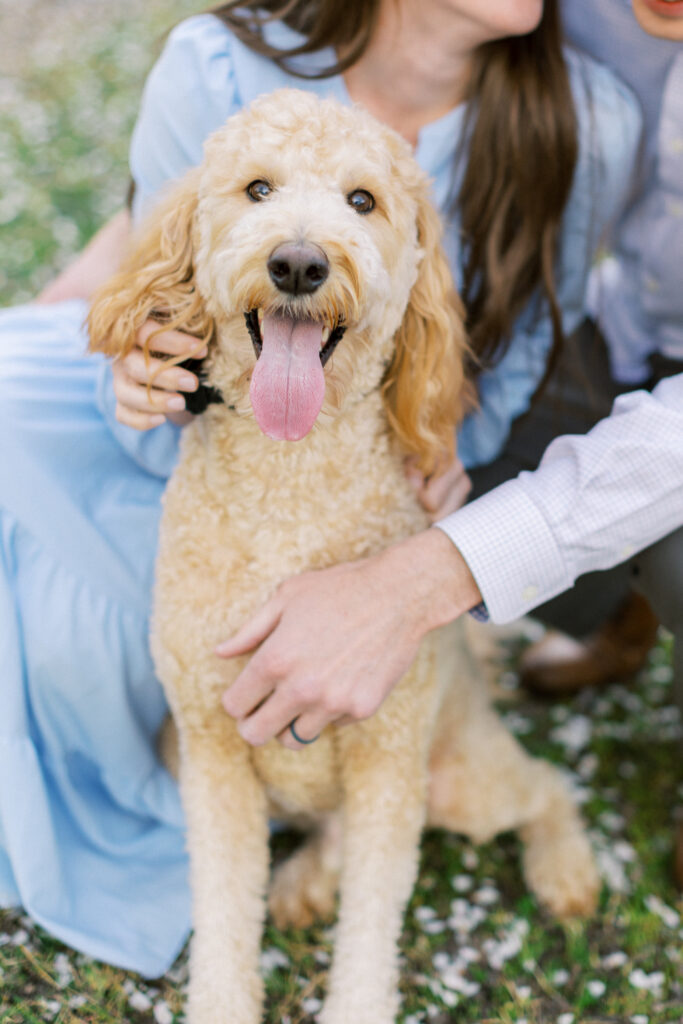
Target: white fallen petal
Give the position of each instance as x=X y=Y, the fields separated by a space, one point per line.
x=272 y=958
x=139 y=1001
x=461 y=883
x=486 y=896
x=649 y=982
x=163 y=1013
x=616 y=959
x=666 y=913
x=311 y=1005
x=574 y=734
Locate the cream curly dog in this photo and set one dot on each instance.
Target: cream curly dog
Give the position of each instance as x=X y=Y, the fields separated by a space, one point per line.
x=306 y=252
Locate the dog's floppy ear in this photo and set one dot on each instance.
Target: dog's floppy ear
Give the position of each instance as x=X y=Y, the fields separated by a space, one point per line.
x=425 y=391
x=156 y=281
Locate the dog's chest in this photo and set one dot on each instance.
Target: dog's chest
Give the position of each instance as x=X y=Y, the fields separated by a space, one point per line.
x=238 y=524
x=299 y=782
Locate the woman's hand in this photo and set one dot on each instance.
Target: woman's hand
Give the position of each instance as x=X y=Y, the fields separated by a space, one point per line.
x=134 y=405
x=333 y=644
x=443 y=494
x=143 y=407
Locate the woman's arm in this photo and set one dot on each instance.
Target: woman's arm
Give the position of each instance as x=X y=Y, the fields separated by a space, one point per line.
x=92 y=267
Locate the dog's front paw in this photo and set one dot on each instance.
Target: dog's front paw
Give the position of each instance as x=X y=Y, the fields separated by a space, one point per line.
x=360 y=1008
x=303 y=889
x=560 y=870
x=241 y=1003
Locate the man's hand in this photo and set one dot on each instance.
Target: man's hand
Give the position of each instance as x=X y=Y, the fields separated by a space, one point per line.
x=334 y=643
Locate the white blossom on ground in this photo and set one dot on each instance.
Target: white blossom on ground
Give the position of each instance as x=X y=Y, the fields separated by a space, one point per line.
x=499 y=951
x=587 y=766
x=451 y=971
x=518 y=724
x=574 y=734
x=560 y=976
x=163 y=1013
x=311 y=1005
x=272 y=958
x=616 y=959
x=462 y=883
x=65 y=974
x=666 y=913
x=649 y=982
x=486 y=895
x=610 y=866
x=470 y=859
x=425 y=913
x=611 y=821
x=434 y=927
x=137 y=1000
x=465 y=917
x=453 y=979
x=624 y=851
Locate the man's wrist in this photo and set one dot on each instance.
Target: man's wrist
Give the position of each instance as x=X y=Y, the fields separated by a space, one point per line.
x=442 y=588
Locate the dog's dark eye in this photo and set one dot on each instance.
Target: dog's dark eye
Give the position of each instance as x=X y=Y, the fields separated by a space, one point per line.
x=258 y=190
x=361 y=201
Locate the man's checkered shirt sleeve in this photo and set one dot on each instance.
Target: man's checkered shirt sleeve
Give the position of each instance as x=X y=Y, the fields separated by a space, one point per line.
x=593 y=502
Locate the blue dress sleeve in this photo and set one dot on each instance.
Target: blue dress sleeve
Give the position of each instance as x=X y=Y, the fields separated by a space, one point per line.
x=190 y=92
x=609 y=131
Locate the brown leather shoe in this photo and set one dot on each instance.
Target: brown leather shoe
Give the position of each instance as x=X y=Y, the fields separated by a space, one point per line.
x=558 y=665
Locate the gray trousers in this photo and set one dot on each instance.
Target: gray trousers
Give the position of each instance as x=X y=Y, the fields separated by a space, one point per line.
x=580 y=392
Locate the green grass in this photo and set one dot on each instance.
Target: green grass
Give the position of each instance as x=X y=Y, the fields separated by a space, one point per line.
x=516 y=963
x=63 y=145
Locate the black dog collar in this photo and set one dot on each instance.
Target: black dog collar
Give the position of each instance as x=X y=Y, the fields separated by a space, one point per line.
x=197 y=401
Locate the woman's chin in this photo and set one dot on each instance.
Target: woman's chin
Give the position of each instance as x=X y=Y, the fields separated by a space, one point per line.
x=660 y=19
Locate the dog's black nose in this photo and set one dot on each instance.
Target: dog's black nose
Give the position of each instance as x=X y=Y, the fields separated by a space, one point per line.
x=298 y=268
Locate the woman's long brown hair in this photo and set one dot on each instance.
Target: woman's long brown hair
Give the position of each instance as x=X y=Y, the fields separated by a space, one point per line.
x=521 y=139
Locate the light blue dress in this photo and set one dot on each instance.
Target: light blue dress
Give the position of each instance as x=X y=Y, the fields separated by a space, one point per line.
x=91 y=827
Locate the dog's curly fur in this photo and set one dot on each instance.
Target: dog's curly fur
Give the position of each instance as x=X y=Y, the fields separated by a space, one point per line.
x=243 y=512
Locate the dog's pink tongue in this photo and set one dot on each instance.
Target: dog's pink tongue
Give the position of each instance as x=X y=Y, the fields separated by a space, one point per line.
x=288 y=383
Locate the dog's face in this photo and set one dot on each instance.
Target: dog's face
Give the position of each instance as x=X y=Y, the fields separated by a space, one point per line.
x=306 y=251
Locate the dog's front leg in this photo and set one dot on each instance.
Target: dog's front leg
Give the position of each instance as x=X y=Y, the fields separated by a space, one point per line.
x=383 y=817
x=228 y=841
